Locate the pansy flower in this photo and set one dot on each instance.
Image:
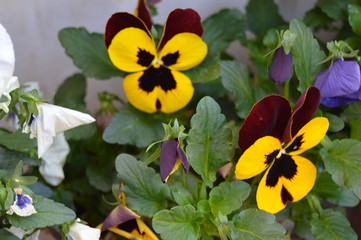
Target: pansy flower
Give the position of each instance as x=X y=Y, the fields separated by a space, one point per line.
x=171 y=157
x=155 y=82
x=272 y=138
x=8 y=82
x=340 y=83
x=23 y=204
x=51 y=121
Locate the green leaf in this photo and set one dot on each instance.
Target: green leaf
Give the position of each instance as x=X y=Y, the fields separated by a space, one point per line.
x=49 y=213
x=343 y=162
x=252 y=224
x=133 y=127
x=71 y=92
x=228 y=196
x=17 y=141
x=88 y=52
x=209 y=140
x=144 y=190
x=181 y=195
x=235 y=78
x=7 y=235
x=217 y=36
x=180 y=222
x=9 y=159
x=100 y=177
x=326 y=188
x=307 y=54
x=354 y=18
x=316 y=18
x=262 y=15
x=330 y=225
x=335 y=9
x=208 y=70
x=336 y=123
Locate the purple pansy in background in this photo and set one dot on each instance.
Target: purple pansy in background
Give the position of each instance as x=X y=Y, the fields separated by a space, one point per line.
x=171 y=156
x=23 y=204
x=340 y=83
x=281 y=67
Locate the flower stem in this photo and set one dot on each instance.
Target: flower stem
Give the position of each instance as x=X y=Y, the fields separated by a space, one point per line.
x=326 y=142
x=286 y=90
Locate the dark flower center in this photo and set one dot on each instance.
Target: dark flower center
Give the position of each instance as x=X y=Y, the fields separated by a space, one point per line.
x=22 y=201
x=170 y=58
x=283 y=166
x=144 y=57
x=153 y=77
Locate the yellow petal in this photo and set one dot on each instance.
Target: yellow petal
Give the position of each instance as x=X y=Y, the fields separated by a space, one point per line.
x=254 y=159
x=138 y=97
x=268 y=198
x=308 y=136
x=183 y=51
x=132 y=50
x=301 y=183
x=177 y=98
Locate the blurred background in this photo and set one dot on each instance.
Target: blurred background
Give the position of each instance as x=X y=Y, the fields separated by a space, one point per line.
x=34 y=25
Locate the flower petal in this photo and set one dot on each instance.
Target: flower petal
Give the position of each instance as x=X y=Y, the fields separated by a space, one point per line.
x=54 y=159
x=119 y=21
x=309 y=136
x=183 y=51
x=257 y=157
x=304 y=179
x=7 y=85
x=143 y=13
x=23 y=205
x=132 y=50
x=179 y=21
x=269 y=198
x=175 y=99
x=268 y=117
x=281 y=67
x=183 y=159
x=53 y=120
x=119 y=215
x=168 y=158
x=81 y=231
x=158 y=89
x=304 y=110
x=7 y=57
x=341 y=78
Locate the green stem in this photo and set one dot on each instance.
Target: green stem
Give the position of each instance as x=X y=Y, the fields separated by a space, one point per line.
x=286 y=90
x=314 y=203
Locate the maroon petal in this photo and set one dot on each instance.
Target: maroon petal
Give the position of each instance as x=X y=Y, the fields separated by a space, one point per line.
x=304 y=110
x=183 y=159
x=119 y=21
x=281 y=66
x=268 y=117
x=144 y=13
x=340 y=79
x=180 y=21
x=119 y=215
x=168 y=158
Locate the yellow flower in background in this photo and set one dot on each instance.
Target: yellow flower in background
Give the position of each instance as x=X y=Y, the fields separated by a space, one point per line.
x=155 y=82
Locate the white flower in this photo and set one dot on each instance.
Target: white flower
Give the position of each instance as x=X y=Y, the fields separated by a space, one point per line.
x=20 y=233
x=79 y=231
x=54 y=159
x=8 y=82
x=51 y=121
x=23 y=204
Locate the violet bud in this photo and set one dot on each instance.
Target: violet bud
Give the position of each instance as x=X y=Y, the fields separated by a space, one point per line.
x=281 y=66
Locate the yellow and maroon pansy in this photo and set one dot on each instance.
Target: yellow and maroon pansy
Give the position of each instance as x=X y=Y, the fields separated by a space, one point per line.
x=155 y=82
x=289 y=177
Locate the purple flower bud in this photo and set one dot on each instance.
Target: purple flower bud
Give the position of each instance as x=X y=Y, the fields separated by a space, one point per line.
x=340 y=83
x=171 y=156
x=281 y=66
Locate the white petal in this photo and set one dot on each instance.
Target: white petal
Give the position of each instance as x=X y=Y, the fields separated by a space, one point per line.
x=7 y=85
x=53 y=120
x=80 y=231
x=23 y=212
x=20 y=233
x=7 y=58
x=54 y=159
